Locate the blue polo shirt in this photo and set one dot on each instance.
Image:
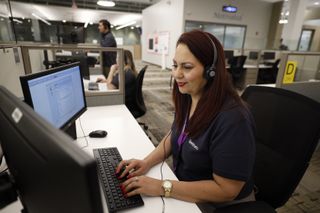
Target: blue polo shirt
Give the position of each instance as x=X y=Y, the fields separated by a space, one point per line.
x=226 y=148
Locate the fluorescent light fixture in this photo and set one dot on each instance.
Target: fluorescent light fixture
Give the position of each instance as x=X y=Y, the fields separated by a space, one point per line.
x=132 y=27
x=126 y=25
x=41 y=19
x=86 y=24
x=112 y=26
x=317 y=3
x=105 y=3
x=137 y=26
x=64 y=21
x=283 y=21
x=91 y=23
x=16 y=20
x=287 y=13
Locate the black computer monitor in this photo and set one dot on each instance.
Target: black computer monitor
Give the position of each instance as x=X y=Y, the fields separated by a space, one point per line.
x=253 y=55
x=269 y=55
x=228 y=54
x=84 y=67
x=51 y=173
x=57 y=95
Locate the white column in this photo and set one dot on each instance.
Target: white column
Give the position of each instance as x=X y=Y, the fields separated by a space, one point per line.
x=292 y=30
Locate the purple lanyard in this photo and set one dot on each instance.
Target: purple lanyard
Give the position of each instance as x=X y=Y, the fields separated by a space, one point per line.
x=183 y=136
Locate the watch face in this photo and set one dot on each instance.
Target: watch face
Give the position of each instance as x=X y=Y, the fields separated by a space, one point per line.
x=167 y=184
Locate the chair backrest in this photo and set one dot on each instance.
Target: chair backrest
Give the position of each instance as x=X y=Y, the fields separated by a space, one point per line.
x=140 y=106
x=275 y=70
x=287 y=133
x=238 y=61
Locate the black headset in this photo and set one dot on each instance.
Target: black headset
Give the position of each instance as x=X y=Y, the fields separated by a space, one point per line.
x=210 y=71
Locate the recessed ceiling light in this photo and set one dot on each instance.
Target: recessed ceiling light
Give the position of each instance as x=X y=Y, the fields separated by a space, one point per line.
x=105 y=3
x=64 y=21
x=112 y=26
x=132 y=27
x=317 y=3
x=91 y=23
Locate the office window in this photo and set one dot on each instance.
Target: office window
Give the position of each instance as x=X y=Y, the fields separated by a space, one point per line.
x=6 y=32
x=230 y=36
x=234 y=37
x=216 y=30
x=305 y=40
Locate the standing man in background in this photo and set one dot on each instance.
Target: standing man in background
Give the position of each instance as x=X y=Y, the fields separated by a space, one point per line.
x=107 y=40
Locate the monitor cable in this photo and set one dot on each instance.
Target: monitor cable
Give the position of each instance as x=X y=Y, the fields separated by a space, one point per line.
x=84 y=135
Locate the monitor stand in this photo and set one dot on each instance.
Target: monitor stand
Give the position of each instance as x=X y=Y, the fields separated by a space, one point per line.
x=71 y=130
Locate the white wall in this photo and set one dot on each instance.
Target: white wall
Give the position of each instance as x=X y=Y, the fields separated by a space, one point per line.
x=166 y=15
x=252 y=13
x=10 y=71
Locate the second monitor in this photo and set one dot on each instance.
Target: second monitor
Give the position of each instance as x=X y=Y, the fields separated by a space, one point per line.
x=57 y=95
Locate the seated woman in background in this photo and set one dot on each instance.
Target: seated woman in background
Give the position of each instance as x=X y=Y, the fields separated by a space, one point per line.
x=130 y=79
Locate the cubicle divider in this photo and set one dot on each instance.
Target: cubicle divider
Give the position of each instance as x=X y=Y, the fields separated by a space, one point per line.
x=31 y=59
x=300 y=72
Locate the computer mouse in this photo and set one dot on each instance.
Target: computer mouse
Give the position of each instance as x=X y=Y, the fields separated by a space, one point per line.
x=98 y=134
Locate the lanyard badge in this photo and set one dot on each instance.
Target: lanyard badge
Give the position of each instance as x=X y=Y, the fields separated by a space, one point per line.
x=182 y=138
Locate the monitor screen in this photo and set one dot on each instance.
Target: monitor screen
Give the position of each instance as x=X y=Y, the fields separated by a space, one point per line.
x=51 y=174
x=269 y=55
x=253 y=55
x=228 y=54
x=57 y=94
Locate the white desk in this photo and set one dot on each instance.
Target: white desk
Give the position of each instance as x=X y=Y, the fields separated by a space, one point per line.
x=125 y=134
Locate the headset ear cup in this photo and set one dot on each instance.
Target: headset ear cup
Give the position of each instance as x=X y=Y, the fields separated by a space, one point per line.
x=209 y=73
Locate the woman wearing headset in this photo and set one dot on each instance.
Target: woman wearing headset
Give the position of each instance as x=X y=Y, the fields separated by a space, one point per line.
x=212 y=136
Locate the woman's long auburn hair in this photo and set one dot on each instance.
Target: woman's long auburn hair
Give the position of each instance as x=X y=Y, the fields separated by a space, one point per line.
x=128 y=62
x=215 y=92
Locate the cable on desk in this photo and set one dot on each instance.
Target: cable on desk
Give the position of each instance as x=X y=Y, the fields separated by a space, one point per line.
x=85 y=137
x=161 y=166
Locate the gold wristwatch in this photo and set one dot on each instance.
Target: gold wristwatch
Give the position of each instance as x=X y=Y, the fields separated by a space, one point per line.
x=167 y=187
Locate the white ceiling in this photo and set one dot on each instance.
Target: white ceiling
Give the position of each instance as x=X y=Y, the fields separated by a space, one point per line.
x=310 y=2
x=57 y=13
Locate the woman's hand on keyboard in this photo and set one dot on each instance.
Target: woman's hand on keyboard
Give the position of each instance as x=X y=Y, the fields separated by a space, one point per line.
x=132 y=168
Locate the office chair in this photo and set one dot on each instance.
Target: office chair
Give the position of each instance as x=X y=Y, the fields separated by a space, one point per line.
x=268 y=75
x=237 y=70
x=139 y=108
x=287 y=133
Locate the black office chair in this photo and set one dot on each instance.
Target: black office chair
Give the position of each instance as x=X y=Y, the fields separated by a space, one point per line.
x=268 y=75
x=139 y=108
x=287 y=133
x=237 y=70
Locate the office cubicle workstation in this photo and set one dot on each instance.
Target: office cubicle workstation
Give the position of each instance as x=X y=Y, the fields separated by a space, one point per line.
x=300 y=72
x=30 y=58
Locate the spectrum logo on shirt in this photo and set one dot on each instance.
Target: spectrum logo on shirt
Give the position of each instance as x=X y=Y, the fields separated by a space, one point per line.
x=193 y=145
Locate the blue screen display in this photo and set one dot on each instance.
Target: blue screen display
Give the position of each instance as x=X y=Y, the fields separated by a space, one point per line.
x=58 y=96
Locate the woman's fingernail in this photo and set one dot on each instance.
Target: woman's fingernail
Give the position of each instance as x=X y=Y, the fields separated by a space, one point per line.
x=129 y=176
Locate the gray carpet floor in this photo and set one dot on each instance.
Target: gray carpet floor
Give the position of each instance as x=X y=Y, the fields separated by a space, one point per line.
x=159 y=116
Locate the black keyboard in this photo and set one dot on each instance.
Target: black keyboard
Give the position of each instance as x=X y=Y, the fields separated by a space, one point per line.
x=107 y=161
x=93 y=86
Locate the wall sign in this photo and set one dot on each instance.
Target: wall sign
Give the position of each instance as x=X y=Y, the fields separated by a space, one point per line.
x=158 y=43
x=229 y=9
x=228 y=16
x=290 y=72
